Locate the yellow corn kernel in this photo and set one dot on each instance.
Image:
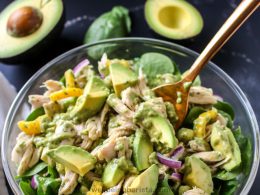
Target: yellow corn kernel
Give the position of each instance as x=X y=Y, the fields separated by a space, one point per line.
x=201 y=122
x=69 y=78
x=96 y=188
x=31 y=127
x=65 y=93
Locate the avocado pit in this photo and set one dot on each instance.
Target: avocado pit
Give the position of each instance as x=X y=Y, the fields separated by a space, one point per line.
x=24 y=21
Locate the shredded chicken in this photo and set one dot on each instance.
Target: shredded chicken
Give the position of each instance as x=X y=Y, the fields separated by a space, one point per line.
x=52 y=86
x=37 y=101
x=195 y=191
x=69 y=183
x=106 y=151
x=201 y=95
x=141 y=88
x=24 y=154
x=125 y=149
x=91 y=176
x=114 y=190
x=130 y=98
x=158 y=105
x=119 y=106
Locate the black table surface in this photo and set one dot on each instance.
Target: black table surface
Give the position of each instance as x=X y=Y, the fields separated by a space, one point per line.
x=240 y=57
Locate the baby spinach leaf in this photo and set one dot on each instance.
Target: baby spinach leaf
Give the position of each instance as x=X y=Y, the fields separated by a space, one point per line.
x=245 y=148
x=227 y=175
x=47 y=185
x=34 y=170
x=26 y=188
x=229 y=187
x=112 y=24
x=164 y=187
x=52 y=172
x=193 y=113
x=153 y=64
x=35 y=114
x=226 y=107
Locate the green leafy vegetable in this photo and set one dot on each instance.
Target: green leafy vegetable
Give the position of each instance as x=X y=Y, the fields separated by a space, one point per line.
x=164 y=187
x=153 y=64
x=63 y=81
x=34 y=170
x=245 y=148
x=47 y=185
x=112 y=24
x=226 y=107
x=36 y=113
x=227 y=175
x=26 y=188
x=52 y=172
x=193 y=113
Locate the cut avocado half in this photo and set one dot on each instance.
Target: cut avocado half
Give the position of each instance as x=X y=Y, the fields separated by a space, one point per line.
x=74 y=158
x=24 y=37
x=174 y=19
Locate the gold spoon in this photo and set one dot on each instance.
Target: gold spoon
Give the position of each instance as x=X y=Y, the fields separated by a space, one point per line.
x=178 y=93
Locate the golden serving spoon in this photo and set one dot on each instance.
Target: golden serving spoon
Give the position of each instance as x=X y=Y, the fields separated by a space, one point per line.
x=178 y=93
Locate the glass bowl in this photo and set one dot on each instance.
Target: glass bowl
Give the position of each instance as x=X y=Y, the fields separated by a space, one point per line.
x=128 y=48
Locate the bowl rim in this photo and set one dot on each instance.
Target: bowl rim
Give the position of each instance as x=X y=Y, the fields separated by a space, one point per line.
x=248 y=108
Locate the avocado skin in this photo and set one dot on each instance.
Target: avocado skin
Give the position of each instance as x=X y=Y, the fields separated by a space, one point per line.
x=33 y=53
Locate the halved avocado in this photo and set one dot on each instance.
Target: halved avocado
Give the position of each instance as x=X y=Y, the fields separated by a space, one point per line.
x=174 y=19
x=27 y=27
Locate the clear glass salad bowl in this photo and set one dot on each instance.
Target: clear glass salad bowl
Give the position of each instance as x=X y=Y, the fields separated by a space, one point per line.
x=129 y=48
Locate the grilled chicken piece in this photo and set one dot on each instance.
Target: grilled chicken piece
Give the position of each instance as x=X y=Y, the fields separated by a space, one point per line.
x=69 y=183
x=201 y=95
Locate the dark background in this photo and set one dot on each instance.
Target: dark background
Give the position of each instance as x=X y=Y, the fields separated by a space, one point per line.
x=240 y=57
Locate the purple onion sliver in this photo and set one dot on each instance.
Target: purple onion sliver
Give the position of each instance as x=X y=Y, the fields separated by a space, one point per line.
x=79 y=67
x=176 y=177
x=174 y=164
x=34 y=183
x=177 y=153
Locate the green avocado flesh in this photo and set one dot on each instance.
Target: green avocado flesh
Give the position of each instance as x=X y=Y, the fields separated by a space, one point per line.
x=145 y=183
x=198 y=174
x=174 y=19
x=74 y=158
x=13 y=46
x=122 y=77
x=142 y=148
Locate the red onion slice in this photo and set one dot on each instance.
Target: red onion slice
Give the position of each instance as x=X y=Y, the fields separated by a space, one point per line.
x=176 y=177
x=81 y=65
x=177 y=152
x=34 y=183
x=174 y=164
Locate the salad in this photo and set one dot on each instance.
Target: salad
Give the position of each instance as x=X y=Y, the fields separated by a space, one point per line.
x=105 y=132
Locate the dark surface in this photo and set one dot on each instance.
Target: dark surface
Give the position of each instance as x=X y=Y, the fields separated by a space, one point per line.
x=240 y=57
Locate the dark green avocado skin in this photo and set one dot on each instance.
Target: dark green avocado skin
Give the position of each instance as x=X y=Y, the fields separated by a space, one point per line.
x=37 y=51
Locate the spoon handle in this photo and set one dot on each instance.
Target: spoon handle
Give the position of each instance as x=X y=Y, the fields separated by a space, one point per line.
x=237 y=18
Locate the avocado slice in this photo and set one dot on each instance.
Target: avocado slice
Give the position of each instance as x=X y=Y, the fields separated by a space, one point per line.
x=146 y=180
x=142 y=148
x=74 y=158
x=174 y=19
x=92 y=100
x=197 y=173
x=122 y=77
x=113 y=173
x=223 y=140
x=24 y=38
